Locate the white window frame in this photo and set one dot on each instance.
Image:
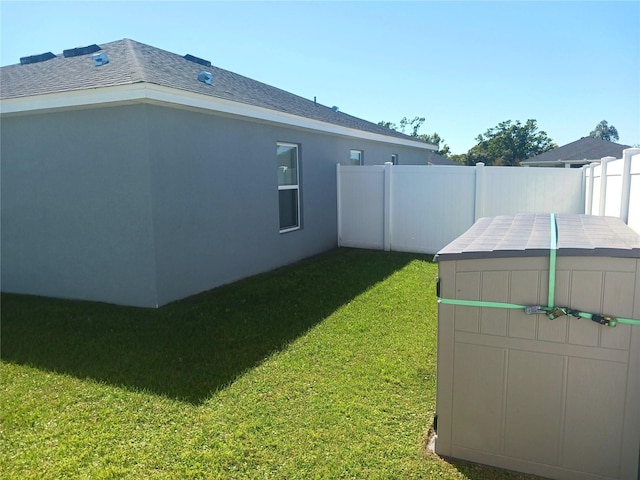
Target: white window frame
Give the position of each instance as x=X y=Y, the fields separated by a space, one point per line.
x=291 y=187
x=360 y=155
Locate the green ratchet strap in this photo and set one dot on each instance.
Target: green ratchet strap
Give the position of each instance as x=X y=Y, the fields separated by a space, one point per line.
x=552 y=261
x=478 y=303
x=550 y=311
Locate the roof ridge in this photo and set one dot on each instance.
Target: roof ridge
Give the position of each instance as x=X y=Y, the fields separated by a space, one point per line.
x=138 y=62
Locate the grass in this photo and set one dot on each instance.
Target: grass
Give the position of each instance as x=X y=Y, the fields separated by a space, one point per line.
x=325 y=369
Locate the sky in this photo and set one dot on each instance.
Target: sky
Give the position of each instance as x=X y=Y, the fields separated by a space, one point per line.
x=464 y=66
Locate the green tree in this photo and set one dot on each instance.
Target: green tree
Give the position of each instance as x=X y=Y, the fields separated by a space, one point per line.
x=605 y=131
x=414 y=124
x=509 y=143
x=389 y=125
x=435 y=139
x=460 y=158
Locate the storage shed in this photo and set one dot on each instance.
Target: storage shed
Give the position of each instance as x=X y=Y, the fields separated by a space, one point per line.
x=543 y=389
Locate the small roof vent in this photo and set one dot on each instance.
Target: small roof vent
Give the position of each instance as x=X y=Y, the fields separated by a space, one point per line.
x=205 y=77
x=100 y=59
x=76 y=52
x=335 y=109
x=199 y=61
x=43 y=57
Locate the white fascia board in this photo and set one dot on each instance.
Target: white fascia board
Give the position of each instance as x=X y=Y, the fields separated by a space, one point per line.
x=149 y=93
x=74 y=99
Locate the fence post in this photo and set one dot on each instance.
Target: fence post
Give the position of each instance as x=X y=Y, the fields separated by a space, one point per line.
x=339 y=201
x=626 y=182
x=387 y=206
x=603 y=185
x=588 y=180
x=480 y=183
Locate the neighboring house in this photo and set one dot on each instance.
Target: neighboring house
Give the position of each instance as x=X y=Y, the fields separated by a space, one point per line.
x=136 y=176
x=435 y=159
x=576 y=154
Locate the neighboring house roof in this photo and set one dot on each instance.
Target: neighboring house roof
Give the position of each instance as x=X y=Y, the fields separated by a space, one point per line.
x=583 y=151
x=134 y=64
x=435 y=159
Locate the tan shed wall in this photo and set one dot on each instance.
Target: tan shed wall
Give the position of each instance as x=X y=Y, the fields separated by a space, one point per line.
x=558 y=398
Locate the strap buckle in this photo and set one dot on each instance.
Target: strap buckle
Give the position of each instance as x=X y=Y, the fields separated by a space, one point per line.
x=535 y=309
x=573 y=313
x=552 y=313
x=606 y=320
x=556 y=312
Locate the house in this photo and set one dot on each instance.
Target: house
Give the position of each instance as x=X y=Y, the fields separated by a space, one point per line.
x=435 y=159
x=576 y=154
x=136 y=176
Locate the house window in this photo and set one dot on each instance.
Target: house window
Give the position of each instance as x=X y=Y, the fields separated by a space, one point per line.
x=394 y=158
x=288 y=187
x=356 y=157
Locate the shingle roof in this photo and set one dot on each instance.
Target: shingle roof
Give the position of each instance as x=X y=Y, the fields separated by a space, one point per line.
x=587 y=148
x=131 y=62
x=435 y=159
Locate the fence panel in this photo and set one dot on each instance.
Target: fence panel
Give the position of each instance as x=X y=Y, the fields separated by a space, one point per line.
x=613 y=194
x=421 y=209
x=509 y=190
x=430 y=206
x=361 y=206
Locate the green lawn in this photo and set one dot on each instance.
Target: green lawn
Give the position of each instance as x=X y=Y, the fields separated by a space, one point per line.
x=325 y=369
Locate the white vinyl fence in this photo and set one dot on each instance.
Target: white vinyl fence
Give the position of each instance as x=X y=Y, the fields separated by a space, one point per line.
x=618 y=195
x=422 y=208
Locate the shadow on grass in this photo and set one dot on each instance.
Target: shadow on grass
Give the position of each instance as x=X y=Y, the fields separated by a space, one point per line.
x=189 y=349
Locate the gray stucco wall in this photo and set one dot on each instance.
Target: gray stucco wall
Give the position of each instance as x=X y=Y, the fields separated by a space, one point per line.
x=75 y=206
x=215 y=192
x=378 y=153
x=142 y=204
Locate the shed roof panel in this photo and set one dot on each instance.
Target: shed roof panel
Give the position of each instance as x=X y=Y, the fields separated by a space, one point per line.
x=529 y=235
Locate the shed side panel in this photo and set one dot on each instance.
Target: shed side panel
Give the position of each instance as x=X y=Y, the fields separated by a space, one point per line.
x=525 y=399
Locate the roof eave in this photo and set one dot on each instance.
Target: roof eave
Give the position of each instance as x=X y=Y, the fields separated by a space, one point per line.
x=156 y=94
x=585 y=161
